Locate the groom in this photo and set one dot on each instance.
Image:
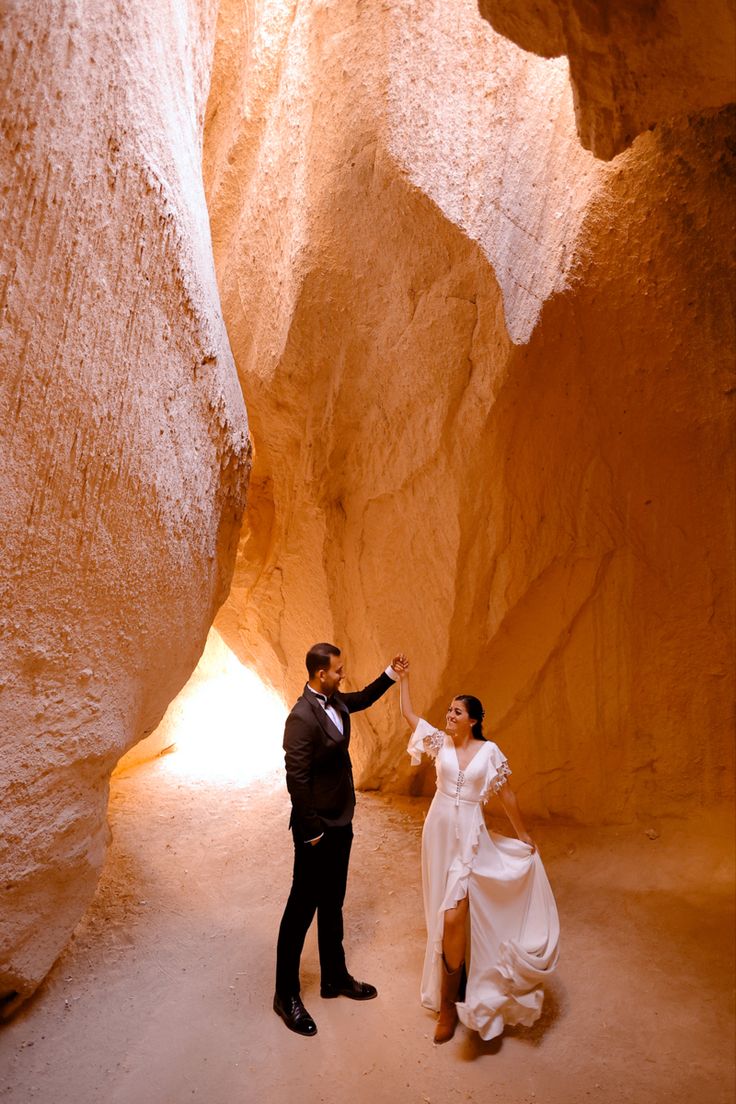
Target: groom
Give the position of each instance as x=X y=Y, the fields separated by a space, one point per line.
x=319 y=778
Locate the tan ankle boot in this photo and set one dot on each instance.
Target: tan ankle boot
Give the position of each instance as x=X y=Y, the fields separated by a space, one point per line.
x=447 y=1020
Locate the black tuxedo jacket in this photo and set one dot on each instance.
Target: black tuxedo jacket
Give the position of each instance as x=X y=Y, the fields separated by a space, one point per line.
x=319 y=774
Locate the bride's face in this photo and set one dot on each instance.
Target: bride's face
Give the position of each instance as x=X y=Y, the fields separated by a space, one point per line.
x=457 y=722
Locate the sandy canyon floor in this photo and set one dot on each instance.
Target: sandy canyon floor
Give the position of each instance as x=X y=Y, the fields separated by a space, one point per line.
x=164 y=995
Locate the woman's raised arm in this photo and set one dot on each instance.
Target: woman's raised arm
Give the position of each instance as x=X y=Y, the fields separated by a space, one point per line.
x=406 y=706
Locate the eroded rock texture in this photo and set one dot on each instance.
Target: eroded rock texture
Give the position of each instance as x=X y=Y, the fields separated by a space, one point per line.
x=488 y=379
x=633 y=63
x=124 y=439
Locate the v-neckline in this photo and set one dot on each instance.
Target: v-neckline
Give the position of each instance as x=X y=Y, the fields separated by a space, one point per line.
x=464 y=770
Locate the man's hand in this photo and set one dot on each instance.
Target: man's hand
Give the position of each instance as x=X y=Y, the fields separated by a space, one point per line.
x=400 y=664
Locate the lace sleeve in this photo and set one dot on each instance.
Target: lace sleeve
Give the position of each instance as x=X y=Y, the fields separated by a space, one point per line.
x=424 y=739
x=502 y=774
x=498 y=772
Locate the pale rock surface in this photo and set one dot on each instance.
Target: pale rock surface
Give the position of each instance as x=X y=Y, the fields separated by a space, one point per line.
x=500 y=444
x=124 y=437
x=497 y=155
x=632 y=64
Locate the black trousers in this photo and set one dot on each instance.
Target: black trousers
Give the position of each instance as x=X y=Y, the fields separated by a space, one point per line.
x=318 y=885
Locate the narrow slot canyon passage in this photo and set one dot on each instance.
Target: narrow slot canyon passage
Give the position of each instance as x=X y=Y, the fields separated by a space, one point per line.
x=409 y=325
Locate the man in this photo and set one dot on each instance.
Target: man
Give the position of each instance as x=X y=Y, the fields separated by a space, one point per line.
x=319 y=778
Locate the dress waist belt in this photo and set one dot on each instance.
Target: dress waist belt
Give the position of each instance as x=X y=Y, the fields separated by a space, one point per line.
x=456 y=800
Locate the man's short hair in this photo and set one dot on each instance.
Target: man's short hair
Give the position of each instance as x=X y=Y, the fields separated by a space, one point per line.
x=318 y=657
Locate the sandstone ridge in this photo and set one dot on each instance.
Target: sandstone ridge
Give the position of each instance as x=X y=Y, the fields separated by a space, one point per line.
x=125 y=445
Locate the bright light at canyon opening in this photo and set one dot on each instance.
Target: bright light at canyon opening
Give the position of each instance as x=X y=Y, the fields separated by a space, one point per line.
x=226 y=726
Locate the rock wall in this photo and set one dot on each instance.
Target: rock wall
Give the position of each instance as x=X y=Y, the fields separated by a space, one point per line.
x=489 y=381
x=124 y=438
x=632 y=64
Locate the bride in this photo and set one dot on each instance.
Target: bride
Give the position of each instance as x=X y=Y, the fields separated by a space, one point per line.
x=488 y=905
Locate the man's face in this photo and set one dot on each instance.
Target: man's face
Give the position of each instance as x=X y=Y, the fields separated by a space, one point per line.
x=331 y=677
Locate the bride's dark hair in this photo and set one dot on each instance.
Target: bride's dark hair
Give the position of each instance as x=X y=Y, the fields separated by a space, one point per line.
x=476 y=712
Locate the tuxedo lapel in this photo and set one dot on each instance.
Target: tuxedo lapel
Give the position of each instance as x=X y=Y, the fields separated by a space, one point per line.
x=344 y=712
x=329 y=727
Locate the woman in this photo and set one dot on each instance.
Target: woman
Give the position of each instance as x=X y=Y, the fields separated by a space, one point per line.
x=487 y=902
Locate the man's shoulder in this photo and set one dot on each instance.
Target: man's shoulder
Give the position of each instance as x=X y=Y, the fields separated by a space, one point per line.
x=301 y=722
x=301 y=708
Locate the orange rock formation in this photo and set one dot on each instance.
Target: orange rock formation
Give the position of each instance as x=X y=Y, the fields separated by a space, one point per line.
x=124 y=435
x=488 y=378
x=488 y=384
x=632 y=64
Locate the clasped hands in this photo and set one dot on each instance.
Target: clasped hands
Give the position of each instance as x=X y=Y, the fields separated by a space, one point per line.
x=400 y=664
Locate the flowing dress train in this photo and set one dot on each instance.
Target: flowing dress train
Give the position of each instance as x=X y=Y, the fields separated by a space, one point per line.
x=513 y=923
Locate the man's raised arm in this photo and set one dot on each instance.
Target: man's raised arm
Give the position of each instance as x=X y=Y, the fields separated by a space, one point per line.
x=361 y=699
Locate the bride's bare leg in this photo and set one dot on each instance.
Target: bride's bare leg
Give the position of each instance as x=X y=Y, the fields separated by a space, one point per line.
x=453 y=938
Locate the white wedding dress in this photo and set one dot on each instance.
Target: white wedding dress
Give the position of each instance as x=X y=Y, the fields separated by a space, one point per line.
x=513 y=923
